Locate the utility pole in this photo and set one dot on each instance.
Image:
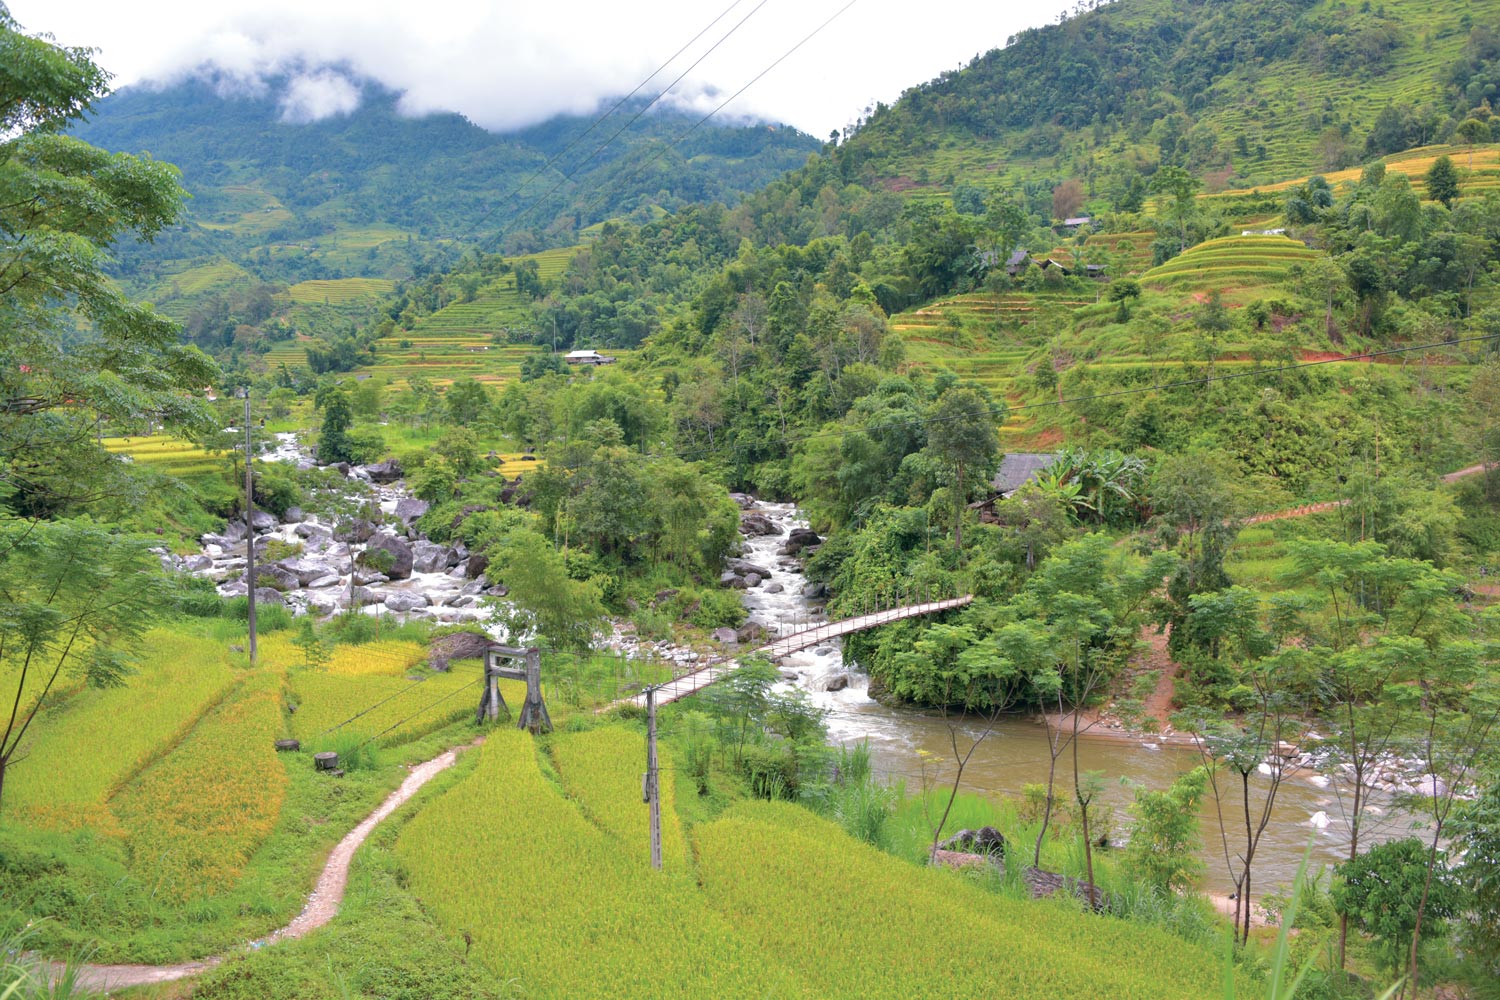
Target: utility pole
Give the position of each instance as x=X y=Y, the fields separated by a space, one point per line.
x=249 y=528
x=653 y=778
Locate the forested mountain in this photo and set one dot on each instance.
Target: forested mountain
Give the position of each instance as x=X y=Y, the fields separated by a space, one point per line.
x=372 y=191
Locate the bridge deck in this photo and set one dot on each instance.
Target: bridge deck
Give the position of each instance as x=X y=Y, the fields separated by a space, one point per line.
x=719 y=666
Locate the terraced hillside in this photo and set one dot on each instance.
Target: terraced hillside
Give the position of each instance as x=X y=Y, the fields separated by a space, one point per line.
x=1238 y=267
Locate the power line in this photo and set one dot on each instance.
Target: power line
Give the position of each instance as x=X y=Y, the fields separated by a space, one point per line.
x=637 y=117
x=602 y=118
x=424 y=710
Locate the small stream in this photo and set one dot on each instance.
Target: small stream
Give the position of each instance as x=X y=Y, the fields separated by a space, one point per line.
x=1016 y=753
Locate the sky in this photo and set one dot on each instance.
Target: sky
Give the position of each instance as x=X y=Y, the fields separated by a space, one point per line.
x=512 y=64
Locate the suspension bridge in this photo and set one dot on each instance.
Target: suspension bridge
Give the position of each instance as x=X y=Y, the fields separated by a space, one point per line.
x=720 y=667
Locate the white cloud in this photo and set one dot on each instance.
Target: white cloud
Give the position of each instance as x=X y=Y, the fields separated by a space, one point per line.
x=311 y=97
x=510 y=65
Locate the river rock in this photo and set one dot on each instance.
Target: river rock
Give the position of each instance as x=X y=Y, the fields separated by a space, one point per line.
x=804 y=537
x=744 y=500
x=459 y=601
x=758 y=524
x=815 y=591
x=325 y=581
x=406 y=600
x=293 y=515
x=477 y=564
x=752 y=579
x=752 y=632
x=728 y=579
x=264 y=520
x=985 y=840
x=400 y=553
x=197 y=564
x=429 y=557
x=744 y=568
x=774 y=588
x=384 y=472
x=312 y=532
x=725 y=635
x=275 y=576
x=361 y=596
x=306 y=570
x=408 y=509
x=234 y=532
x=837 y=683
x=265 y=595
x=499 y=590
x=361 y=530
x=364 y=576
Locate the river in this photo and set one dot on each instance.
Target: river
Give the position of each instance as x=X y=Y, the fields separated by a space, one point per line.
x=1308 y=805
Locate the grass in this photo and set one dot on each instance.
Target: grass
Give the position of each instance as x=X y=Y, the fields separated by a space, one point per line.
x=339 y=291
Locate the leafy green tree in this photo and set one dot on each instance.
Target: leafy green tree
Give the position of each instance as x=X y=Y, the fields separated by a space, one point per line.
x=961 y=433
x=333 y=434
x=73 y=348
x=544 y=603
x=73 y=600
x=467 y=402
x=1477 y=840
x=1379 y=891
x=1442 y=181
x=1472 y=131
x=1179 y=190
x=1164 y=842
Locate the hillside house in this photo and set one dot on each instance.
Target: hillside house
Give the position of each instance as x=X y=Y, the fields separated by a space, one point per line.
x=1018 y=262
x=1076 y=221
x=588 y=358
x=1016 y=470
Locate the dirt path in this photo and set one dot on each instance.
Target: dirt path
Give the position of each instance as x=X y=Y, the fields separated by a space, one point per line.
x=322 y=903
x=1158 y=703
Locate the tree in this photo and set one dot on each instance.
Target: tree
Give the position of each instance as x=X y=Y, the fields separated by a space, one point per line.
x=73 y=348
x=545 y=603
x=1379 y=892
x=1471 y=131
x=467 y=402
x=1477 y=840
x=333 y=435
x=1180 y=189
x=72 y=599
x=961 y=432
x=1442 y=181
x=1165 y=840
x=1067 y=198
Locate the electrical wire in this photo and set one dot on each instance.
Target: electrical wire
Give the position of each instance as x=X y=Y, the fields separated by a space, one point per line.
x=602 y=118
x=423 y=711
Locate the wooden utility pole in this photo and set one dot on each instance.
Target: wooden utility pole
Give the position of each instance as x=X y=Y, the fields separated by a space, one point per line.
x=653 y=778
x=249 y=528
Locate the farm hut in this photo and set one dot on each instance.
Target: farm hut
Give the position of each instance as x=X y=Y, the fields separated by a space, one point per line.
x=1017 y=262
x=588 y=358
x=1076 y=221
x=1016 y=470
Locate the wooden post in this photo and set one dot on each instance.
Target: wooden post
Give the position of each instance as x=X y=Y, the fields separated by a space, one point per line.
x=249 y=529
x=534 y=715
x=653 y=779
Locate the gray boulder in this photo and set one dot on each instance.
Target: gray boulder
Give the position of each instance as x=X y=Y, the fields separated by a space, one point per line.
x=293 y=515
x=752 y=632
x=815 y=591
x=384 y=472
x=264 y=520
x=234 y=531
x=744 y=568
x=360 y=597
x=408 y=509
x=197 y=564
x=363 y=576
x=774 y=588
x=399 y=552
x=725 y=635
x=985 y=840
x=728 y=579
x=406 y=600
x=429 y=557
x=804 y=537
x=361 y=531
x=477 y=564
x=265 y=595
x=306 y=570
x=325 y=581
x=758 y=524
x=312 y=531
x=275 y=576
x=837 y=682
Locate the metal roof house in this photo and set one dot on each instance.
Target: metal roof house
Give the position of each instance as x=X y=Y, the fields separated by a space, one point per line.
x=588 y=358
x=1017 y=469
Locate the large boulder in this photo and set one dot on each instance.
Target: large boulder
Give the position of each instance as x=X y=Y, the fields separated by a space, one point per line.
x=312 y=532
x=384 y=472
x=457 y=645
x=429 y=557
x=197 y=564
x=234 y=531
x=307 y=570
x=264 y=520
x=359 y=597
x=753 y=523
x=293 y=515
x=406 y=600
x=804 y=537
x=743 y=568
x=361 y=531
x=477 y=564
x=275 y=576
x=265 y=595
x=728 y=579
x=399 y=553
x=986 y=840
x=725 y=635
x=408 y=509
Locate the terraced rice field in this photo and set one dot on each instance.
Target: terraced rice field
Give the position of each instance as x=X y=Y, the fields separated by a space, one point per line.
x=339 y=291
x=171 y=455
x=1234 y=265
x=1414 y=163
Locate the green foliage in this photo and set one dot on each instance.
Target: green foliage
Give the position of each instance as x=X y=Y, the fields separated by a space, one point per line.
x=1165 y=838
x=333 y=434
x=545 y=601
x=1477 y=842
x=1380 y=889
x=1442 y=181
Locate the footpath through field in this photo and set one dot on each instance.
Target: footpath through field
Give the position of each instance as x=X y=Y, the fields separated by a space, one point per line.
x=322 y=903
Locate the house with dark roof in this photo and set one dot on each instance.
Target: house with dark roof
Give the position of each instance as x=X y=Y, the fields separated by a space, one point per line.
x=1018 y=260
x=1020 y=468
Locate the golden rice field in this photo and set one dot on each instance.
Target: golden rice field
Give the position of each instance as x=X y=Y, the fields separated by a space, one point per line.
x=64 y=784
x=572 y=914
x=783 y=904
x=601 y=771
x=193 y=819
x=1413 y=163
x=173 y=456
x=856 y=922
x=391 y=656
x=395 y=709
x=338 y=291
